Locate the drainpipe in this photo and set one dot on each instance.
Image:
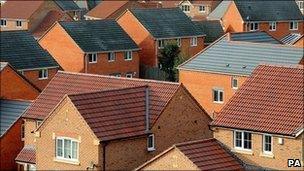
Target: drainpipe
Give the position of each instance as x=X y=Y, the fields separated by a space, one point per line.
x=104 y=144
x=147 y=109
x=85 y=63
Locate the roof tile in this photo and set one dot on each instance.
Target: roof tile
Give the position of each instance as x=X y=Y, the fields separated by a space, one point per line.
x=27 y=154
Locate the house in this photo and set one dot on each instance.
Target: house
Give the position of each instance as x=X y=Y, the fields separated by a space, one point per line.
x=27 y=15
x=204 y=154
x=97 y=46
x=197 y=10
x=27 y=57
x=212 y=28
x=300 y=4
x=11 y=131
x=14 y=85
x=294 y=39
x=112 y=123
x=268 y=130
x=113 y=9
x=151 y=29
x=278 y=18
x=215 y=74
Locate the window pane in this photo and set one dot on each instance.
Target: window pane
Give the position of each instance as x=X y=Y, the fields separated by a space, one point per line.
x=221 y=96
x=267 y=143
x=59 y=148
x=74 y=150
x=247 y=140
x=215 y=97
x=238 y=139
x=67 y=149
x=150 y=141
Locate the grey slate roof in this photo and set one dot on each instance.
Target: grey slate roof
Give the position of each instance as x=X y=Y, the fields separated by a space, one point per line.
x=219 y=11
x=255 y=37
x=291 y=38
x=21 y=50
x=240 y=58
x=67 y=5
x=99 y=35
x=10 y=112
x=166 y=22
x=212 y=28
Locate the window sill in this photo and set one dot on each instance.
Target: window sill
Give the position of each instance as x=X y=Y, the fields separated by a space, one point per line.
x=111 y=61
x=242 y=151
x=151 y=149
x=272 y=30
x=43 y=78
x=218 y=102
x=235 y=88
x=67 y=161
x=267 y=155
x=92 y=62
x=293 y=29
x=128 y=59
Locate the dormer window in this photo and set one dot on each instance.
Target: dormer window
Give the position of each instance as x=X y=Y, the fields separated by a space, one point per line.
x=186 y=8
x=18 y=23
x=273 y=26
x=293 y=25
x=3 y=23
x=253 y=26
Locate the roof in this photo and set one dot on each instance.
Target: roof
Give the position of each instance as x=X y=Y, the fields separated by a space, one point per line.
x=241 y=57
x=25 y=53
x=209 y=154
x=114 y=114
x=268 y=10
x=219 y=11
x=212 y=28
x=271 y=100
x=291 y=38
x=67 y=5
x=3 y=65
x=99 y=35
x=10 y=112
x=254 y=37
x=49 y=20
x=93 y=3
x=166 y=22
x=69 y=83
x=105 y=8
x=19 y=9
x=27 y=154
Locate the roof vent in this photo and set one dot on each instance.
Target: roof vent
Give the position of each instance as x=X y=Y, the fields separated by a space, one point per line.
x=227 y=65
x=244 y=66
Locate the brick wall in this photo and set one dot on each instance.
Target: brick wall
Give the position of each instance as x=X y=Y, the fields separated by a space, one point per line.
x=30 y=126
x=291 y=149
x=11 y=25
x=201 y=84
x=300 y=43
x=33 y=76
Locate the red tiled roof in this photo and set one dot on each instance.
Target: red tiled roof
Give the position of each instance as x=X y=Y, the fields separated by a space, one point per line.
x=71 y=83
x=27 y=154
x=209 y=154
x=271 y=100
x=49 y=20
x=113 y=114
x=105 y=9
x=19 y=9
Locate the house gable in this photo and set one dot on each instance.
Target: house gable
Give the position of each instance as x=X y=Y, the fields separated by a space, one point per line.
x=232 y=19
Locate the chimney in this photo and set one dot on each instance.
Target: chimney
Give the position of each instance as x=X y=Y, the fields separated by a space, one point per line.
x=229 y=36
x=147 y=109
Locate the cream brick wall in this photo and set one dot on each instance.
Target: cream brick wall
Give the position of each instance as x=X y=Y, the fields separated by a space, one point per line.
x=11 y=25
x=29 y=127
x=291 y=149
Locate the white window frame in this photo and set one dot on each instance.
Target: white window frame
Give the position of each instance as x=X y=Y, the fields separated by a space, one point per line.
x=185 y=8
x=128 y=56
x=38 y=123
x=218 y=95
x=272 y=26
x=179 y=42
x=17 y=24
x=44 y=73
x=3 y=23
x=129 y=75
x=271 y=144
x=232 y=83
x=242 y=141
x=112 y=56
x=62 y=158
x=301 y=5
x=253 y=24
x=160 y=44
x=92 y=58
x=294 y=23
x=152 y=147
x=203 y=8
x=193 y=41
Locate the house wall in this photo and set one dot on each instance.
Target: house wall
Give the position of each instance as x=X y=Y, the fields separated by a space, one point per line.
x=13 y=86
x=11 y=144
x=300 y=43
x=11 y=25
x=30 y=126
x=65 y=121
x=33 y=76
x=120 y=65
x=291 y=149
x=172 y=160
x=63 y=49
x=201 y=85
x=232 y=20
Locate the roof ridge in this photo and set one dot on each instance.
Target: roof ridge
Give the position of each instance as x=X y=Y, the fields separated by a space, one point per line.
x=194 y=141
x=291 y=66
x=19 y=100
x=119 y=78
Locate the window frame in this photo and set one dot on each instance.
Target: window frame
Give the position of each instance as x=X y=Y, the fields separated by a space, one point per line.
x=300 y=5
x=218 y=94
x=272 y=26
x=44 y=73
x=62 y=158
x=179 y=42
x=264 y=143
x=92 y=56
x=2 y=21
x=160 y=44
x=203 y=8
x=18 y=25
x=192 y=44
x=242 y=140
x=294 y=23
x=152 y=147
x=128 y=56
x=232 y=83
x=111 y=57
x=184 y=9
x=253 y=24
x=129 y=74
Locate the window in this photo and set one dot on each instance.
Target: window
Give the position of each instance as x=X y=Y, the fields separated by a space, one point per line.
x=67 y=149
x=161 y=44
x=193 y=41
x=22 y=132
x=293 y=25
x=128 y=55
x=111 y=56
x=301 y=5
x=234 y=83
x=186 y=8
x=19 y=23
x=31 y=167
x=267 y=144
x=253 y=26
x=242 y=140
x=202 y=8
x=129 y=75
x=21 y=72
x=273 y=26
x=116 y=75
x=179 y=42
x=150 y=142
x=93 y=58
x=218 y=96
x=3 y=23
x=43 y=74
x=38 y=123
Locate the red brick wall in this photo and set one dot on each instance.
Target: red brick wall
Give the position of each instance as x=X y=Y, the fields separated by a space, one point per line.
x=13 y=86
x=232 y=20
x=33 y=76
x=11 y=145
